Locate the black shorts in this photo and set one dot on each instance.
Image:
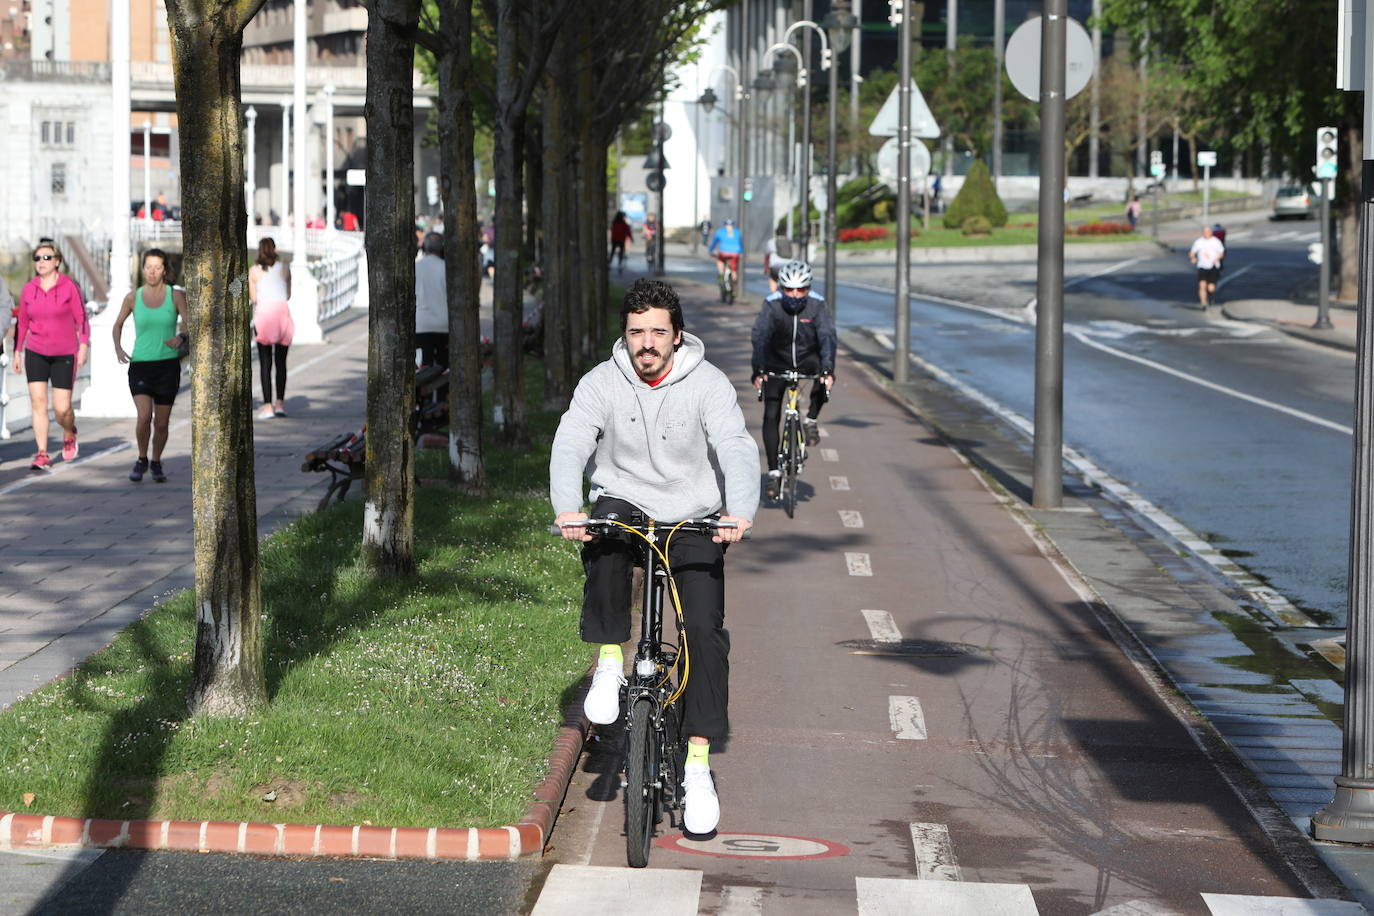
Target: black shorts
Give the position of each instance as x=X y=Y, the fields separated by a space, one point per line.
x=60 y=370
x=159 y=379
x=1208 y=274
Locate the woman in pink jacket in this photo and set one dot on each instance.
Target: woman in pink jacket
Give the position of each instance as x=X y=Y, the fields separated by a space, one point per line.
x=52 y=344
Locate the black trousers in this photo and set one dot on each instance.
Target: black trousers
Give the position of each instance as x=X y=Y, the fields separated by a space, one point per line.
x=433 y=347
x=698 y=566
x=268 y=354
x=773 y=390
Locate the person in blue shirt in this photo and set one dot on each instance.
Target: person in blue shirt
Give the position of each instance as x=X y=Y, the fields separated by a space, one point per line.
x=793 y=332
x=731 y=246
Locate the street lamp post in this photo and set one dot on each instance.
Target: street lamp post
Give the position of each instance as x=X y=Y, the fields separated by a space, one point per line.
x=840 y=23
x=780 y=67
x=147 y=174
x=901 y=351
x=251 y=182
x=805 y=176
x=285 y=158
x=708 y=101
x=328 y=93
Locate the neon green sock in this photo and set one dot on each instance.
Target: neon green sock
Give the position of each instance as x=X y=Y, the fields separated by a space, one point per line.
x=698 y=753
x=612 y=651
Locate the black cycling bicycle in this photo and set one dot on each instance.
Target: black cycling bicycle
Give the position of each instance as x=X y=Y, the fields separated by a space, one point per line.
x=792 y=443
x=655 y=748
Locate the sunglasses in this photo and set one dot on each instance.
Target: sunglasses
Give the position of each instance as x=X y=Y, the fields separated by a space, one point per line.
x=45 y=257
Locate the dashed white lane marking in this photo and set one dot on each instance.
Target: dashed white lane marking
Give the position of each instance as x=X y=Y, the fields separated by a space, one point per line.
x=882 y=627
x=851 y=518
x=902 y=896
x=830 y=454
x=859 y=564
x=737 y=900
x=573 y=890
x=1238 y=905
x=825 y=433
x=934 y=853
x=839 y=483
x=908 y=722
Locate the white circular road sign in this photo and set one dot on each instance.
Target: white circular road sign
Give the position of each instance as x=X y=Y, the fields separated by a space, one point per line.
x=1023 y=59
x=887 y=161
x=754 y=846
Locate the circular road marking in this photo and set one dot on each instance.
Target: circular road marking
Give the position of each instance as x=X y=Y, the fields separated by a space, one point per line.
x=754 y=846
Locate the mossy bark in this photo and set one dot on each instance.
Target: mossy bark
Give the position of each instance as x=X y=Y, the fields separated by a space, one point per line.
x=467 y=466
x=559 y=233
x=388 y=515
x=227 y=676
x=508 y=305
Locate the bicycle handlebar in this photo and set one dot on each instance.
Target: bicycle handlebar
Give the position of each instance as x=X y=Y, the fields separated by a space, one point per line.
x=790 y=376
x=701 y=525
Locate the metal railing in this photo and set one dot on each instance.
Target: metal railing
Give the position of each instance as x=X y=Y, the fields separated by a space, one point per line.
x=337 y=274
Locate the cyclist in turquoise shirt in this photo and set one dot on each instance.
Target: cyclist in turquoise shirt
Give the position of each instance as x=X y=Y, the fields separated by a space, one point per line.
x=731 y=246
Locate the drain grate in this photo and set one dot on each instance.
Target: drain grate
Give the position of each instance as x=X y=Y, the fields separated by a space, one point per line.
x=911 y=648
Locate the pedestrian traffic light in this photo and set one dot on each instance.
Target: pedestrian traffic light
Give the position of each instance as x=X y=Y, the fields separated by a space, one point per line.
x=748 y=189
x=1157 y=163
x=1326 y=152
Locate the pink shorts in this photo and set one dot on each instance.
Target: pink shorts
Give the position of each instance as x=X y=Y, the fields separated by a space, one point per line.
x=272 y=323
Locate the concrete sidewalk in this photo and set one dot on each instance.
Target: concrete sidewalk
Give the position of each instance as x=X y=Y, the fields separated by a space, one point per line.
x=85 y=551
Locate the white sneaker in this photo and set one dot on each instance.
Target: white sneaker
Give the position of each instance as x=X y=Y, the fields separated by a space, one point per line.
x=701 y=811
x=602 y=705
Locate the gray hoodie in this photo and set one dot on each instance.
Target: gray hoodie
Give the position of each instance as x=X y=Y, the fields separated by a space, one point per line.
x=678 y=450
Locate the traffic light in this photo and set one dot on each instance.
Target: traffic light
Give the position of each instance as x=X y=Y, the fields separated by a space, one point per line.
x=1326 y=152
x=748 y=189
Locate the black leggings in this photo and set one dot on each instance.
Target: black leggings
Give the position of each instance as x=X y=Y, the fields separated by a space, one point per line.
x=699 y=570
x=773 y=390
x=267 y=355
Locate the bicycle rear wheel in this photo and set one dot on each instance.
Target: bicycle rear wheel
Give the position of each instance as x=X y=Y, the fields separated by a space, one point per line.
x=641 y=773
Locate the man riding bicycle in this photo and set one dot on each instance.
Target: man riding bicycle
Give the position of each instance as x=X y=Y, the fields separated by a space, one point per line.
x=793 y=332
x=731 y=247
x=657 y=429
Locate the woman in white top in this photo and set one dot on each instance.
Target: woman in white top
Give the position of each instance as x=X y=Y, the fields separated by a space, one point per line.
x=269 y=288
x=431 y=303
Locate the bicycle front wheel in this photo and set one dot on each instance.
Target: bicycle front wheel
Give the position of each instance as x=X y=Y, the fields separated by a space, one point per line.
x=641 y=773
x=792 y=438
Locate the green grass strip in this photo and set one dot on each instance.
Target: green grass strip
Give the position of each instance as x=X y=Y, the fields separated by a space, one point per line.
x=428 y=703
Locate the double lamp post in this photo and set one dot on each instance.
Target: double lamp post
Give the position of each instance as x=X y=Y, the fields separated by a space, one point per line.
x=839 y=25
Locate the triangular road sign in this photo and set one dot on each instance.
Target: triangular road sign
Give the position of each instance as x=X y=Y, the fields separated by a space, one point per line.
x=922 y=121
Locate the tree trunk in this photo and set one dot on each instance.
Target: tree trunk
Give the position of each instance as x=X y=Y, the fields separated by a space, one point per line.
x=508 y=415
x=591 y=240
x=534 y=191
x=556 y=265
x=461 y=268
x=227 y=677
x=388 y=519
x=1348 y=216
x=600 y=300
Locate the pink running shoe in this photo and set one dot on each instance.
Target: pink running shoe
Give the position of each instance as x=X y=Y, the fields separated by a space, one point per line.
x=41 y=462
x=69 y=448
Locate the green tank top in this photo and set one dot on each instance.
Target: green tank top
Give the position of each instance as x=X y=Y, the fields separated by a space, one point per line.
x=152 y=326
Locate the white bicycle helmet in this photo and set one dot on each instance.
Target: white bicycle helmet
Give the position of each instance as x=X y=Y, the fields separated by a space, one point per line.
x=794 y=275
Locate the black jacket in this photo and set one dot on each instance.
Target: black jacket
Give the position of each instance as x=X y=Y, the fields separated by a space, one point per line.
x=794 y=334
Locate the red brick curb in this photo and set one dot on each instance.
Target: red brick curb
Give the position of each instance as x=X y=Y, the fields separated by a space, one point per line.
x=527 y=838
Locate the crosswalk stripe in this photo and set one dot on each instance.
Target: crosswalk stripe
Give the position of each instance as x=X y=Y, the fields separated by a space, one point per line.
x=1136 y=908
x=737 y=900
x=830 y=454
x=934 y=853
x=851 y=518
x=1240 y=905
x=903 y=896
x=574 y=890
x=859 y=564
x=881 y=626
x=839 y=483
x=908 y=722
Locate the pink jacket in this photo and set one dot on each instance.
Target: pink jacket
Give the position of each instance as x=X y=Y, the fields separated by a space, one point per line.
x=52 y=322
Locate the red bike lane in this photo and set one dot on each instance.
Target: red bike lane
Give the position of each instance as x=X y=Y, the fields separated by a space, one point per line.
x=925 y=714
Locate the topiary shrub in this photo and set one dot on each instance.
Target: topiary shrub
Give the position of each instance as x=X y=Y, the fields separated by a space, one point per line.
x=976 y=225
x=978 y=197
x=882 y=211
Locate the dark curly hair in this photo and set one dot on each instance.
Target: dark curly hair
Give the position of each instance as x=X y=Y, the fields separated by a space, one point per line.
x=645 y=294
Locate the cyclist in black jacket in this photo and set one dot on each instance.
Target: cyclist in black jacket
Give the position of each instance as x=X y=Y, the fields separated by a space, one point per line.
x=793 y=332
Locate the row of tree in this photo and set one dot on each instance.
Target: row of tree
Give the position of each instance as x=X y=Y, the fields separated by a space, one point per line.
x=553 y=81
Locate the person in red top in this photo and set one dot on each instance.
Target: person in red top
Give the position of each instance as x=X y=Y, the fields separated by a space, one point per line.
x=52 y=344
x=620 y=235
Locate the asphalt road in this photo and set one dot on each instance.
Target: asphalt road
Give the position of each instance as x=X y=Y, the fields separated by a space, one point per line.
x=1236 y=430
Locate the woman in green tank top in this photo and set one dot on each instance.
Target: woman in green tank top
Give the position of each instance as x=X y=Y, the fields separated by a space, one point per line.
x=155 y=367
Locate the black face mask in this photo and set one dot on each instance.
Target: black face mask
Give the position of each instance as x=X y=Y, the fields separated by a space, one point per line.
x=792 y=305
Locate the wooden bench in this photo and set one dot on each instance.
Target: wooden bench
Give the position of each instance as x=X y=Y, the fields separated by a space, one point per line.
x=344 y=458
x=431 y=401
